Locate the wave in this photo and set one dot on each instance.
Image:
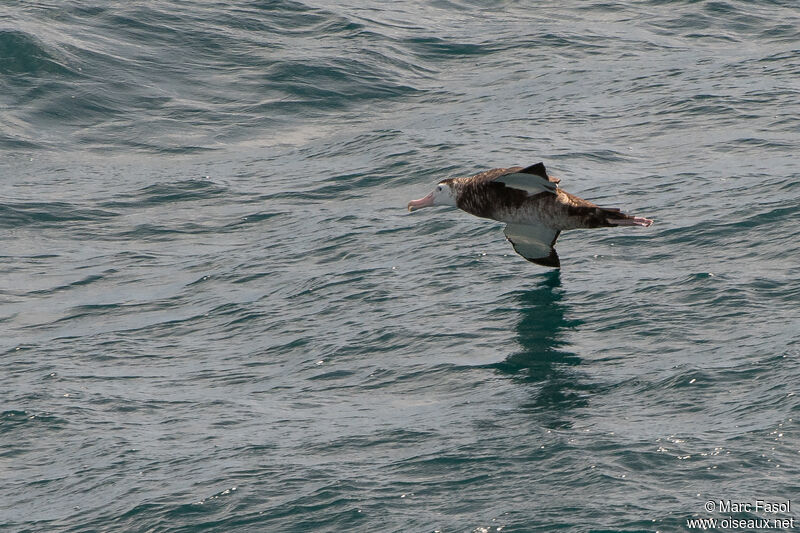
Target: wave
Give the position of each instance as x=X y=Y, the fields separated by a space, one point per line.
x=165 y=79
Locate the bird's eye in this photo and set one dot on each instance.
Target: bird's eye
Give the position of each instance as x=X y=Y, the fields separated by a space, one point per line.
x=439 y=188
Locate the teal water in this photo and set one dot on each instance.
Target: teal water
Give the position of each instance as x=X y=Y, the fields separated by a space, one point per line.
x=218 y=316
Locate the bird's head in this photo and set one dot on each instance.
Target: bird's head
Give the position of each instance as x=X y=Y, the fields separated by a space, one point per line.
x=443 y=194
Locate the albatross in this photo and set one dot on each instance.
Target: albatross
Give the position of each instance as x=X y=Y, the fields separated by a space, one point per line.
x=531 y=204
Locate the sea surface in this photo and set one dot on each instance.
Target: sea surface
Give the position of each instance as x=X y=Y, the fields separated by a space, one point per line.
x=216 y=314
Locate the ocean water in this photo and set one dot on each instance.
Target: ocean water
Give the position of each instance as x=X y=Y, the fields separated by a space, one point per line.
x=217 y=314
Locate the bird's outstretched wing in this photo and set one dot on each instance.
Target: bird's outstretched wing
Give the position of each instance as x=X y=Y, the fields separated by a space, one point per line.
x=534 y=243
x=532 y=179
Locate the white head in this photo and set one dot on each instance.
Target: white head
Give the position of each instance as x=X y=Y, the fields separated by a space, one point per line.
x=443 y=194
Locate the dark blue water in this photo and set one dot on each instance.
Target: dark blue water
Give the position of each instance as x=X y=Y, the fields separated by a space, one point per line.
x=217 y=315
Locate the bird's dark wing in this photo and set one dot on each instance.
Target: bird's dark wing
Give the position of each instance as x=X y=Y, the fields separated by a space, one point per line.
x=532 y=179
x=534 y=243
x=539 y=170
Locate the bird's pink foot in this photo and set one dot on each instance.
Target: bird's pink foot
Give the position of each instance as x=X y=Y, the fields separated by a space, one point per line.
x=633 y=221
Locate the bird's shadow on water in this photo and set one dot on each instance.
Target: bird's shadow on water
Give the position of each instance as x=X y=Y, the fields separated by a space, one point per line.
x=544 y=360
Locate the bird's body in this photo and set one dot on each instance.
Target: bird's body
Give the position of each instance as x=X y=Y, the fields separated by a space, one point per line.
x=532 y=205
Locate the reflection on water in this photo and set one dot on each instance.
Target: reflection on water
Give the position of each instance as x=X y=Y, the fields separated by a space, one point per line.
x=544 y=358
x=540 y=329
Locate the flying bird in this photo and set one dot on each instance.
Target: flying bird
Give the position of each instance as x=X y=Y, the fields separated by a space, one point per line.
x=531 y=204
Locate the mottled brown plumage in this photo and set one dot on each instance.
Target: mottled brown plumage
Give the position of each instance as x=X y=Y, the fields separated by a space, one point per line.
x=532 y=205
